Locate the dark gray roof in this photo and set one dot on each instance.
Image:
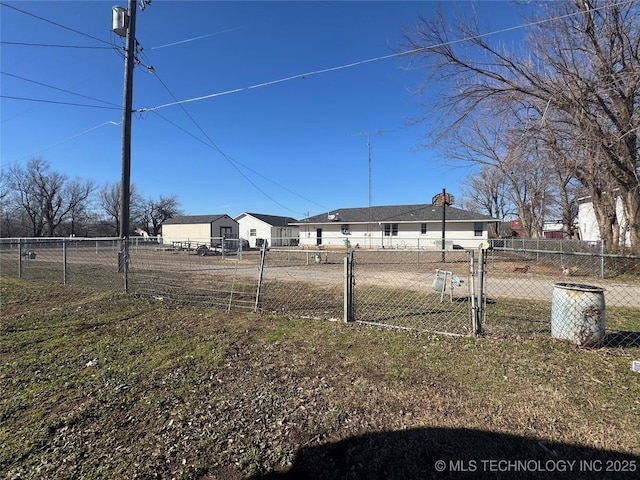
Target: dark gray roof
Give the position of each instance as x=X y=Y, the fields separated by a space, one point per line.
x=397 y=213
x=193 y=219
x=273 y=220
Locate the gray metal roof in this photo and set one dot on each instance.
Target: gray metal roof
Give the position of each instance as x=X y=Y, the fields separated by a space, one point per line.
x=397 y=213
x=273 y=220
x=194 y=219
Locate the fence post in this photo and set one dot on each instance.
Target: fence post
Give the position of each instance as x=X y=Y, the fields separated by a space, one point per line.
x=20 y=258
x=472 y=296
x=263 y=253
x=480 y=309
x=64 y=261
x=348 y=287
x=602 y=252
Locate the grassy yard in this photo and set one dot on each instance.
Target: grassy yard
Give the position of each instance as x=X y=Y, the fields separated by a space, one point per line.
x=103 y=385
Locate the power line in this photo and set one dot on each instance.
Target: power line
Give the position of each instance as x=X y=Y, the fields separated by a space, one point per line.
x=238 y=162
x=273 y=82
x=230 y=160
x=25 y=44
x=54 y=23
x=375 y=59
x=110 y=122
x=59 y=89
x=39 y=100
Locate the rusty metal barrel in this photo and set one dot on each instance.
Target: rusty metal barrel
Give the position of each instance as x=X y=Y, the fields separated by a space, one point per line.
x=578 y=313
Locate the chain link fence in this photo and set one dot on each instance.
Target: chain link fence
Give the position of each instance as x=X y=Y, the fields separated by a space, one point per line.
x=219 y=275
x=90 y=262
x=415 y=289
x=303 y=283
x=570 y=290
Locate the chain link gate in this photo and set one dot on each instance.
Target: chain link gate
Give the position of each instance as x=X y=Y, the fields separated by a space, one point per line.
x=427 y=291
x=304 y=283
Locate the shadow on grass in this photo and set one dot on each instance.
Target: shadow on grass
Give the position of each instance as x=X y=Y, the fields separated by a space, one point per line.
x=453 y=453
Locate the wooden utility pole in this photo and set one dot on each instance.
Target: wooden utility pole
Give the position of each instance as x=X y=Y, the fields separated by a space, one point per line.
x=125 y=181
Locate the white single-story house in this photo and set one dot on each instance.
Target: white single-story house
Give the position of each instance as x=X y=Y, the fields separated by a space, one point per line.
x=258 y=228
x=198 y=229
x=399 y=226
x=588 y=224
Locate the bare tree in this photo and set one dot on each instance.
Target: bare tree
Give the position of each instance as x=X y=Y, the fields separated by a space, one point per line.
x=499 y=145
x=27 y=197
x=47 y=197
x=486 y=192
x=9 y=216
x=157 y=211
x=110 y=204
x=558 y=146
x=77 y=219
x=581 y=61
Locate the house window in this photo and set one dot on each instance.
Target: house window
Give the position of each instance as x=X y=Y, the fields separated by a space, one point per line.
x=423 y=228
x=252 y=232
x=478 y=228
x=390 y=229
x=345 y=230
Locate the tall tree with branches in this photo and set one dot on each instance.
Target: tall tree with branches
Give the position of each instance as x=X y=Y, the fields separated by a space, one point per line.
x=156 y=211
x=47 y=197
x=110 y=203
x=499 y=148
x=486 y=192
x=580 y=60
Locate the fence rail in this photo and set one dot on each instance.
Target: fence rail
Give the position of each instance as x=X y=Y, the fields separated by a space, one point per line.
x=507 y=291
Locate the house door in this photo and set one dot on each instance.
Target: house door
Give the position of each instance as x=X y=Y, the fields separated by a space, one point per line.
x=318 y=236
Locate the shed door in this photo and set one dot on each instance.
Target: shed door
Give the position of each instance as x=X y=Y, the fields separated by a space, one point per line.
x=318 y=236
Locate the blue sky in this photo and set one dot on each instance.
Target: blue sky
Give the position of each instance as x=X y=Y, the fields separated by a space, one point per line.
x=295 y=142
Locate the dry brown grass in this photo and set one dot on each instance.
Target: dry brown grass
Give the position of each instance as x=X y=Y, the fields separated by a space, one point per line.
x=194 y=393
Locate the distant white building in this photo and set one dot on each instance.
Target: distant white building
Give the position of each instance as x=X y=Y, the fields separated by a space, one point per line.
x=275 y=230
x=588 y=224
x=199 y=229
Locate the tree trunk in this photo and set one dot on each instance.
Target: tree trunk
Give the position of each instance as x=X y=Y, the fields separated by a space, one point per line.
x=604 y=209
x=631 y=203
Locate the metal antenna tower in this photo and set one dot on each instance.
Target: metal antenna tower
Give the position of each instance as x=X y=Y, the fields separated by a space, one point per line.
x=368 y=134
